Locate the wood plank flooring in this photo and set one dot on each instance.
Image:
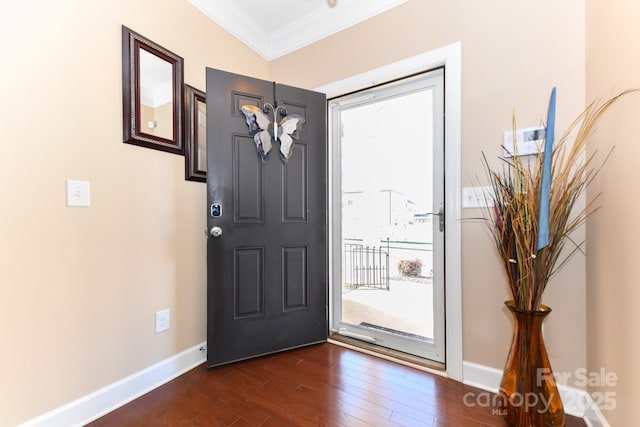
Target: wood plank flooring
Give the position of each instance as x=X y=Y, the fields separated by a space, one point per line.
x=321 y=385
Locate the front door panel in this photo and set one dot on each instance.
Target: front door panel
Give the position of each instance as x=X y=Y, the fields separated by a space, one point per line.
x=267 y=281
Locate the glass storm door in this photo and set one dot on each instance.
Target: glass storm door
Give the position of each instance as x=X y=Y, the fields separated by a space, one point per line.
x=387 y=186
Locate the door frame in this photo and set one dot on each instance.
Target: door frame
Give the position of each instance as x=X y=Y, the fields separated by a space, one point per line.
x=449 y=57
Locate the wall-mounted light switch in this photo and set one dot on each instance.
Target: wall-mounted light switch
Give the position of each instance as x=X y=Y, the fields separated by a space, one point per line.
x=477 y=197
x=77 y=193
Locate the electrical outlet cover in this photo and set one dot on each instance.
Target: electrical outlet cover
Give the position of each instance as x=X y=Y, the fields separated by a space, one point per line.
x=163 y=320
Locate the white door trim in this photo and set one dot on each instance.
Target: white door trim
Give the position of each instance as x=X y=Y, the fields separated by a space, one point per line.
x=450 y=57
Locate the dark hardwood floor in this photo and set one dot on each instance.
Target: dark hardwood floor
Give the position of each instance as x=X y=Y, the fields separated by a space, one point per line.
x=321 y=385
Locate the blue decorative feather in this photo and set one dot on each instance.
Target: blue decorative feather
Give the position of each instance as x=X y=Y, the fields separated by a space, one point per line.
x=545 y=186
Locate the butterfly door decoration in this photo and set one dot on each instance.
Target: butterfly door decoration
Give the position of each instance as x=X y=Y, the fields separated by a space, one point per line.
x=265 y=131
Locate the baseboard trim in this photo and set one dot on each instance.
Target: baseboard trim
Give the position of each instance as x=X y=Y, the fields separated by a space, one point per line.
x=594 y=417
x=576 y=402
x=102 y=401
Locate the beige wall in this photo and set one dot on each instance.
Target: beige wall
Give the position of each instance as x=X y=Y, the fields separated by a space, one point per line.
x=512 y=55
x=613 y=39
x=79 y=286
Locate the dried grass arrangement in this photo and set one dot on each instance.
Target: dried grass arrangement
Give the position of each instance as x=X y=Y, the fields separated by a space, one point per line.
x=513 y=221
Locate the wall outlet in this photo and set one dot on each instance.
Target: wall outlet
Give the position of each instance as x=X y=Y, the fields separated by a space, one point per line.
x=163 y=320
x=477 y=197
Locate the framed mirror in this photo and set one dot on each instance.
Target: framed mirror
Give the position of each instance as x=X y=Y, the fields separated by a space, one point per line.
x=195 y=134
x=152 y=79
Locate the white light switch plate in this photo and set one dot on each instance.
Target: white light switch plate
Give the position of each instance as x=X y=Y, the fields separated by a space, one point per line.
x=77 y=193
x=477 y=197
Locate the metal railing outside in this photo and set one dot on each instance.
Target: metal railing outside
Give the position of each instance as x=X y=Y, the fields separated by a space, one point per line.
x=366 y=267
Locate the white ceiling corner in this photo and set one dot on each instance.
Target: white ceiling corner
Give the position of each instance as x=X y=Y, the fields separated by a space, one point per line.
x=273 y=28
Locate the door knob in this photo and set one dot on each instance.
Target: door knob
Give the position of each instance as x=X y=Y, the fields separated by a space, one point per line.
x=216 y=232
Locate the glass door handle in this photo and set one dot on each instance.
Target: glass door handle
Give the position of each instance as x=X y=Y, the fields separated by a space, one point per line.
x=440 y=215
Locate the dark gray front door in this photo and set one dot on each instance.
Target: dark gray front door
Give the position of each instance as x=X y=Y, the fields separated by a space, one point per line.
x=267 y=275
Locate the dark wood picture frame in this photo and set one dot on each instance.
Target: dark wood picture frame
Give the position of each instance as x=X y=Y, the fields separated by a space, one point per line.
x=195 y=127
x=133 y=132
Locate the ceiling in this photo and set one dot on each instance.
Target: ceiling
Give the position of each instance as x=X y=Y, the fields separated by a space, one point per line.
x=273 y=28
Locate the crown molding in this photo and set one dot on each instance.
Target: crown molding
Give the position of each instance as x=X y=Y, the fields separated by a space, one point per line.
x=235 y=21
x=299 y=33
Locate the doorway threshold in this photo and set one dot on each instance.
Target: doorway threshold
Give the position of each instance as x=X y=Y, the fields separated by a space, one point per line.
x=399 y=357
